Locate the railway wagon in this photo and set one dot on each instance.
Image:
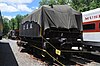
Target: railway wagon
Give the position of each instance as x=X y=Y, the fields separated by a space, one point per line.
x=91 y=29
x=1 y=26
x=13 y=34
x=53 y=29
x=91 y=25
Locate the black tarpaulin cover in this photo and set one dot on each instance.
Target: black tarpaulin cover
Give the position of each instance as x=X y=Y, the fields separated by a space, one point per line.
x=62 y=16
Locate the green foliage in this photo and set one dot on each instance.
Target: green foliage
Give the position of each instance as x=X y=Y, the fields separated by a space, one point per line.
x=43 y=2
x=5 y=26
x=79 y=5
x=61 y=2
x=18 y=19
x=85 y=5
x=12 y=24
x=54 y=2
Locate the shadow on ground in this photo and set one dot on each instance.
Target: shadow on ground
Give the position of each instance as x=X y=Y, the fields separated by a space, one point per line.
x=7 y=57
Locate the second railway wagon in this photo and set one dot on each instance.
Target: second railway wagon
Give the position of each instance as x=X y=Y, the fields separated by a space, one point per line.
x=52 y=28
x=91 y=29
x=13 y=34
x=91 y=25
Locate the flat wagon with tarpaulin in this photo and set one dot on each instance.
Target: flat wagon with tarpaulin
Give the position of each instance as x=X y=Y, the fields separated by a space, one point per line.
x=52 y=29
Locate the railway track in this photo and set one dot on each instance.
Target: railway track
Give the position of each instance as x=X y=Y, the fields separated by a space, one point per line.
x=76 y=59
x=94 y=57
x=80 y=60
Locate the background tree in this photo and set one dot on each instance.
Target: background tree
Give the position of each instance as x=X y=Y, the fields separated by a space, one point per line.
x=5 y=26
x=43 y=2
x=85 y=5
x=61 y=2
x=54 y=2
x=14 y=22
x=18 y=18
x=79 y=5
